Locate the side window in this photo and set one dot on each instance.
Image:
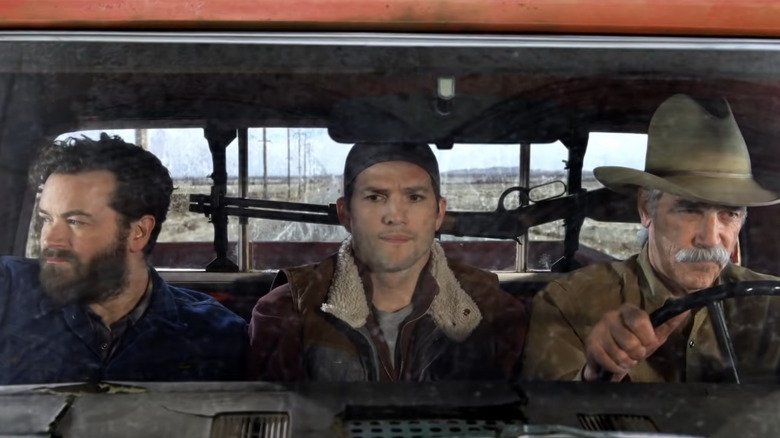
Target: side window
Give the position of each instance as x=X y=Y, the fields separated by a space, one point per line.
x=473 y=177
x=305 y=165
x=302 y=166
x=597 y=239
x=615 y=239
x=545 y=242
x=298 y=165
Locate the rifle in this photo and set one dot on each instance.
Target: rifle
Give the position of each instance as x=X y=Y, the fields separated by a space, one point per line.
x=264 y=209
x=600 y=204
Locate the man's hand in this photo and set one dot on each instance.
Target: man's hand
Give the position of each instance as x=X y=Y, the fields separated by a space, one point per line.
x=622 y=339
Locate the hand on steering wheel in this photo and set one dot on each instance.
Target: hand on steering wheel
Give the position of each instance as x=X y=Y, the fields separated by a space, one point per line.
x=623 y=338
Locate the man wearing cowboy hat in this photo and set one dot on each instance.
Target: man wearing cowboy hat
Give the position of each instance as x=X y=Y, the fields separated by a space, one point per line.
x=692 y=199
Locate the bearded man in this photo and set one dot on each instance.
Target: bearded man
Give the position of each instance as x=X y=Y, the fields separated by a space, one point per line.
x=92 y=308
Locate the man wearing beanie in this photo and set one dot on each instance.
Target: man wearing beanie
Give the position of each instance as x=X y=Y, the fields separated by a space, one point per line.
x=388 y=306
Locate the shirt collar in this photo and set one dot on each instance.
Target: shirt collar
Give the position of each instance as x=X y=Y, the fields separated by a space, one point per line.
x=162 y=306
x=143 y=304
x=137 y=312
x=652 y=287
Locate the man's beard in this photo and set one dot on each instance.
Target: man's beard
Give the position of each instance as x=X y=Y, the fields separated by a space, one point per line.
x=97 y=280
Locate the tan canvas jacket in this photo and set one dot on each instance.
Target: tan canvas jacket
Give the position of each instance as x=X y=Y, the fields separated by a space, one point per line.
x=565 y=312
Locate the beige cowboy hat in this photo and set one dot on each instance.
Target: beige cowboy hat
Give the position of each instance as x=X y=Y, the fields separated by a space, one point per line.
x=695 y=153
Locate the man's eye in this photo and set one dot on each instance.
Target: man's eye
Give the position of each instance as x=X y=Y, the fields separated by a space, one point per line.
x=75 y=223
x=374 y=198
x=45 y=219
x=416 y=198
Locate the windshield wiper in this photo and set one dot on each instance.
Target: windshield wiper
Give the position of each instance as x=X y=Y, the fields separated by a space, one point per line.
x=93 y=388
x=559 y=431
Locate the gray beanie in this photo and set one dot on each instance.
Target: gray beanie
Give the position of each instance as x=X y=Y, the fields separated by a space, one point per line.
x=365 y=155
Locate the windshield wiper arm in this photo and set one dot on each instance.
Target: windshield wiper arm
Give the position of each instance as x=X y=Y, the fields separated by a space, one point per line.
x=540 y=430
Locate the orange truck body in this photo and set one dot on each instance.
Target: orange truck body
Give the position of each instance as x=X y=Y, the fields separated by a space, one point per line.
x=727 y=18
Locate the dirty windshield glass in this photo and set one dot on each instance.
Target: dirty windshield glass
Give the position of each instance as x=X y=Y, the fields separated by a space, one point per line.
x=384 y=209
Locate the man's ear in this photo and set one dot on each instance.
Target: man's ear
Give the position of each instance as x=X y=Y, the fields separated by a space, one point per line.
x=343 y=213
x=736 y=255
x=440 y=214
x=646 y=218
x=140 y=233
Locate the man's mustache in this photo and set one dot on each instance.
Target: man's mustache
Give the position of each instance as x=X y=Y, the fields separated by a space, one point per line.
x=58 y=254
x=717 y=254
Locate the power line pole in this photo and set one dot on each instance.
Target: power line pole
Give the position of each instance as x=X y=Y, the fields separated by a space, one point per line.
x=142 y=139
x=265 y=166
x=305 y=163
x=300 y=175
x=288 y=165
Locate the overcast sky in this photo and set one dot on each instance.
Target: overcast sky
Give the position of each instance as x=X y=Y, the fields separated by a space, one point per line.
x=183 y=152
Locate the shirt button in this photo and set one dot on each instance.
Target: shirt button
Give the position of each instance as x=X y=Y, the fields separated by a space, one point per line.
x=691 y=343
x=103 y=346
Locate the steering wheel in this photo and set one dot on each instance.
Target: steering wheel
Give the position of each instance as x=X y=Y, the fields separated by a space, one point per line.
x=712 y=298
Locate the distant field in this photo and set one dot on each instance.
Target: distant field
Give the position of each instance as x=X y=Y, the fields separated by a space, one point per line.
x=618 y=240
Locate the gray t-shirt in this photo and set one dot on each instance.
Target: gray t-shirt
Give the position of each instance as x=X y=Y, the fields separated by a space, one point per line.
x=389 y=322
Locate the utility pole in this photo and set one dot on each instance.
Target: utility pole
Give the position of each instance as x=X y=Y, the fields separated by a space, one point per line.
x=289 y=189
x=265 y=166
x=142 y=139
x=300 y=175
x=305 y=163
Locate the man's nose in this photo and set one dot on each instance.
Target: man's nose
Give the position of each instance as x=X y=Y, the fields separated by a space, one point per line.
x=395 y=211
x=54 y=235
x=710 y=227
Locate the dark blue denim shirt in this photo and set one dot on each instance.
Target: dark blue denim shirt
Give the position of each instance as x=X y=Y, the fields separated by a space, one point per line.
x=183 y=336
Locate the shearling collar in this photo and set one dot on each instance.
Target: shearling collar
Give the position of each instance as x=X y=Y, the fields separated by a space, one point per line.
x=452 y=309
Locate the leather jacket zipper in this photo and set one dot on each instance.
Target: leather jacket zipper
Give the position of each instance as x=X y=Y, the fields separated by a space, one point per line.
x=374 y=354
x=398 y=344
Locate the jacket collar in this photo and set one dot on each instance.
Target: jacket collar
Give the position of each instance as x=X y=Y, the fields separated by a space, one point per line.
x=654 y=288
x=162 y=306
x=452 y=309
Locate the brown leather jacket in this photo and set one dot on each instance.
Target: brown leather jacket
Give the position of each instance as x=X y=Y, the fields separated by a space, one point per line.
x=319 y=327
